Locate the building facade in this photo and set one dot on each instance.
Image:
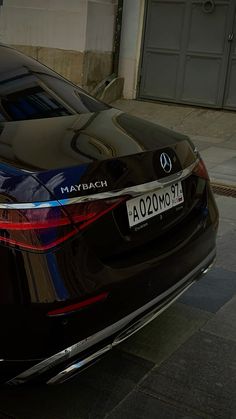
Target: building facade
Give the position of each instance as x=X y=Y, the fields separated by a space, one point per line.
x=179 y=51
x=74 y=37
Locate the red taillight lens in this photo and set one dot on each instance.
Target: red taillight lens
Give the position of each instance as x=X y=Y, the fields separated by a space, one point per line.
x=86 y=213
x=35 y=228
x=43 y=228
x=200 y=170
x=78 y=306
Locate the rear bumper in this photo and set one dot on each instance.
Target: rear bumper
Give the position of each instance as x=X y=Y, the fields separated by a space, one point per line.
x=64 y=364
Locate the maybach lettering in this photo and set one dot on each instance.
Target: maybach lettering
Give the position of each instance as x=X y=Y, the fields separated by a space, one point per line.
x=84 y=186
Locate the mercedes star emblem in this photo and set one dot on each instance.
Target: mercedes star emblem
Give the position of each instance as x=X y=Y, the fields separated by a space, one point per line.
x=166 y=163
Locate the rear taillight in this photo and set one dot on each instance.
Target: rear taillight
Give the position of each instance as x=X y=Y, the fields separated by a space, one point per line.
x=200 y=170
x=71 y=308
x=42 y=228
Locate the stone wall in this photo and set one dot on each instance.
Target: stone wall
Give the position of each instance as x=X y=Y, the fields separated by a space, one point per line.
x=74 y=37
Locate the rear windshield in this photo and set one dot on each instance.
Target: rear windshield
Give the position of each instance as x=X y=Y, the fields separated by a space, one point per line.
x=29 y=90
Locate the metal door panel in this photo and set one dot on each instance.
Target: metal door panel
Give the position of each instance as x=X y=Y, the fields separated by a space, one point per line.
x=186 y=53
x=200 y=80
x=206 y=55
x=165 y=25
x=208 y=30
x=230 y=91
x=162 y=49
x=161 y=71
x=230 y=101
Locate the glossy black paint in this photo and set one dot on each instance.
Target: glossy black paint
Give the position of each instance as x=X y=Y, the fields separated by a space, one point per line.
x=78 y=140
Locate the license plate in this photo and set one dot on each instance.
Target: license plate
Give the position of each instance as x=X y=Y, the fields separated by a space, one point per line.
x=153 y=203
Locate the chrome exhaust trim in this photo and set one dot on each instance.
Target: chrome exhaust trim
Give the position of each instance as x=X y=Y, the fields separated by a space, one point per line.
x=120 y=326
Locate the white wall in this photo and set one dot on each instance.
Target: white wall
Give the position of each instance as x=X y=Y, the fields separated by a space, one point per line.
x=77 y=25
x=54 y=23
x=131 y=37
x=100 y=25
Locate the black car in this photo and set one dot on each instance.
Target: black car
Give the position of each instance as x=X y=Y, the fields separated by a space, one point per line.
x=105 y=220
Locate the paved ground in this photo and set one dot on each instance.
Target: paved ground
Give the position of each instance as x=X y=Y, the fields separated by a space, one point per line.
x=182 y=365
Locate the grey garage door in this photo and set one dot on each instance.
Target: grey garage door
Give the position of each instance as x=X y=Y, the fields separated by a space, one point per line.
x=189 y=52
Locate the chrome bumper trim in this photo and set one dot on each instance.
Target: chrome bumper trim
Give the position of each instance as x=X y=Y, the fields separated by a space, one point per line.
x=81 y=346
x=67 y=372
x=132 y=191
x=64 y=375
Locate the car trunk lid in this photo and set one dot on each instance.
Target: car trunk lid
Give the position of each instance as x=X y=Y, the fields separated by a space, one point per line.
x=111 y=158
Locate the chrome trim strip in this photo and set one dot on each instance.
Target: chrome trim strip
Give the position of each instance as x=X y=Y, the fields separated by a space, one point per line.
x=149 y=317
x=132 y=190
x=30 y=205
x=81 y=346
x=66 y=373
